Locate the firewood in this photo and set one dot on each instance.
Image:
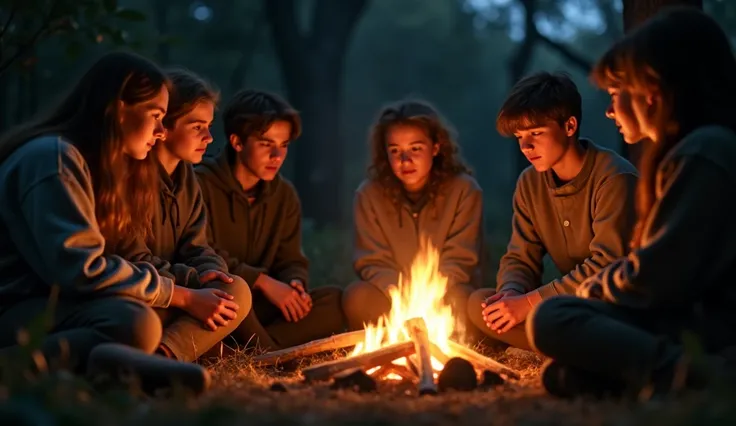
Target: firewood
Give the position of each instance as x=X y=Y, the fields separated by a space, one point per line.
x=481 y=362
x=438 y=354
x=326 y=370
x=400 y=370
x=418 y=333
x=337 y=341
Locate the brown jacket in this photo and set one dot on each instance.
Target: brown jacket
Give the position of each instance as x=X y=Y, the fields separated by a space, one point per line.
x=263 y=237
x=584 y=224
x=386 y=240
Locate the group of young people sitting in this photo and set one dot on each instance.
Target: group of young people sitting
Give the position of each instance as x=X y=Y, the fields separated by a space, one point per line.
x=157 y=254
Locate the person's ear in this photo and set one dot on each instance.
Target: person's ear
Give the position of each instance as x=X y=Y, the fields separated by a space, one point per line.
x=236 y=143
x=571 y=126
x=435 y=149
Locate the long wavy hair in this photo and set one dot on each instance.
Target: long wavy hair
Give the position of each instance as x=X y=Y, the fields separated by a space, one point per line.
x=89 y=118
x=684 y=56
x=445 y=165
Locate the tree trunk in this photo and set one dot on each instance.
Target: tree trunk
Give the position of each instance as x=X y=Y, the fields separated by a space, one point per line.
x=520 y=62
x=3 y=102
x=523 y=56
x=312 y=66
x=636 y=12
x=160 y=12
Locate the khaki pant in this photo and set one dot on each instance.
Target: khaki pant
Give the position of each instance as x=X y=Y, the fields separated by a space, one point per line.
x=515 y=337
x=188 y=338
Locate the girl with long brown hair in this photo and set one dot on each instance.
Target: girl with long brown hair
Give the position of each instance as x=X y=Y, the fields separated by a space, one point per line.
x=417 y=186
x=675 y=77
x=74 y=184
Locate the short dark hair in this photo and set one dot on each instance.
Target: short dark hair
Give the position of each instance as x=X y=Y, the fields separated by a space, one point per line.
x=252 y=112
x=187 y=90
x=537 y=98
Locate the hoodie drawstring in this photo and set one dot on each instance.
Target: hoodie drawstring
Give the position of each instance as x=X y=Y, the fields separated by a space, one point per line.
x=170 y=205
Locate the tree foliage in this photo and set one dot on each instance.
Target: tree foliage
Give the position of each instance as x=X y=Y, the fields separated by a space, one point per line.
x=25 y=24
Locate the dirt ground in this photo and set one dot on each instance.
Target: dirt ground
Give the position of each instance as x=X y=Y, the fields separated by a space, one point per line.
x=242 y=395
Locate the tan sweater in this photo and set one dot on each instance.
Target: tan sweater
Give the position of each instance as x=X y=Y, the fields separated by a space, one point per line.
x=584 y=224
x=386 y=240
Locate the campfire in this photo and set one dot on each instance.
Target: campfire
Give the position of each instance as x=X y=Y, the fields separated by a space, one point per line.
x=414 y=342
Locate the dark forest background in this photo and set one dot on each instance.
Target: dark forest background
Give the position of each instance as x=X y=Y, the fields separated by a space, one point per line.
x=338 y=62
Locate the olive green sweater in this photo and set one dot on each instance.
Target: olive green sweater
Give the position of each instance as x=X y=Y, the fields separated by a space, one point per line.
x=584 y=224
x=262 y=237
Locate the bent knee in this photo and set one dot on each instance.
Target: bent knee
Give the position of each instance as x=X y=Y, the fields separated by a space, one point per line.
x=475 y=308
x=242 y=295
x=549 y=318
x=363 y=302
x=133 y=323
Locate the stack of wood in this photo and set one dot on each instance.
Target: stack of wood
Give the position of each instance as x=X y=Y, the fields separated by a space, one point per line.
x=418 y=353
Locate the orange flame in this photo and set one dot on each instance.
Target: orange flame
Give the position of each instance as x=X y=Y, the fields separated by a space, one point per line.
x=420 y=295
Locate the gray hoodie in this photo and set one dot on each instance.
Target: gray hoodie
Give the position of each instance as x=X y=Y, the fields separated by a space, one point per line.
x=49 y=233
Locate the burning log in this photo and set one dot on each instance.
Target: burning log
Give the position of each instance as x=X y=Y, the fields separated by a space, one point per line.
x=400 y=370
x=335 y=342
x=437 y=353
x=366 y=360
x=481 y=362
x=419 y=336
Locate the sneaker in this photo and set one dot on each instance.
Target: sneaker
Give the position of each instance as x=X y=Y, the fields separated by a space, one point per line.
x=154 y=373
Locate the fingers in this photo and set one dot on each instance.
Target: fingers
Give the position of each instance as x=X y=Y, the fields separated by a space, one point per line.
x=229 y=305
x=221 y=294
x=297 y=285
x=499 y=325
x=219 y=320
x=208 y=276
x=285 y=310
x=303 y=303
x=211 y=324
x=495 y=315
x=490 y=308
x=299 y=306
x=508 y=326
x=228 y=311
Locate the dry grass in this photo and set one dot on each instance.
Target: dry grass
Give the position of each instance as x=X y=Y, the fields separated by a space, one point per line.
x=242 y=395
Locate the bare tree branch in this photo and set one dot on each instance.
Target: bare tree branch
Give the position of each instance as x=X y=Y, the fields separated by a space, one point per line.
x=23 y=48
x=13 y=9
x=579 y=61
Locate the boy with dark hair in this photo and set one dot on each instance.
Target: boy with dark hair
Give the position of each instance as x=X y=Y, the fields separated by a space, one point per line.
x=178 y=247
x=574 y=203
x=255 y=220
